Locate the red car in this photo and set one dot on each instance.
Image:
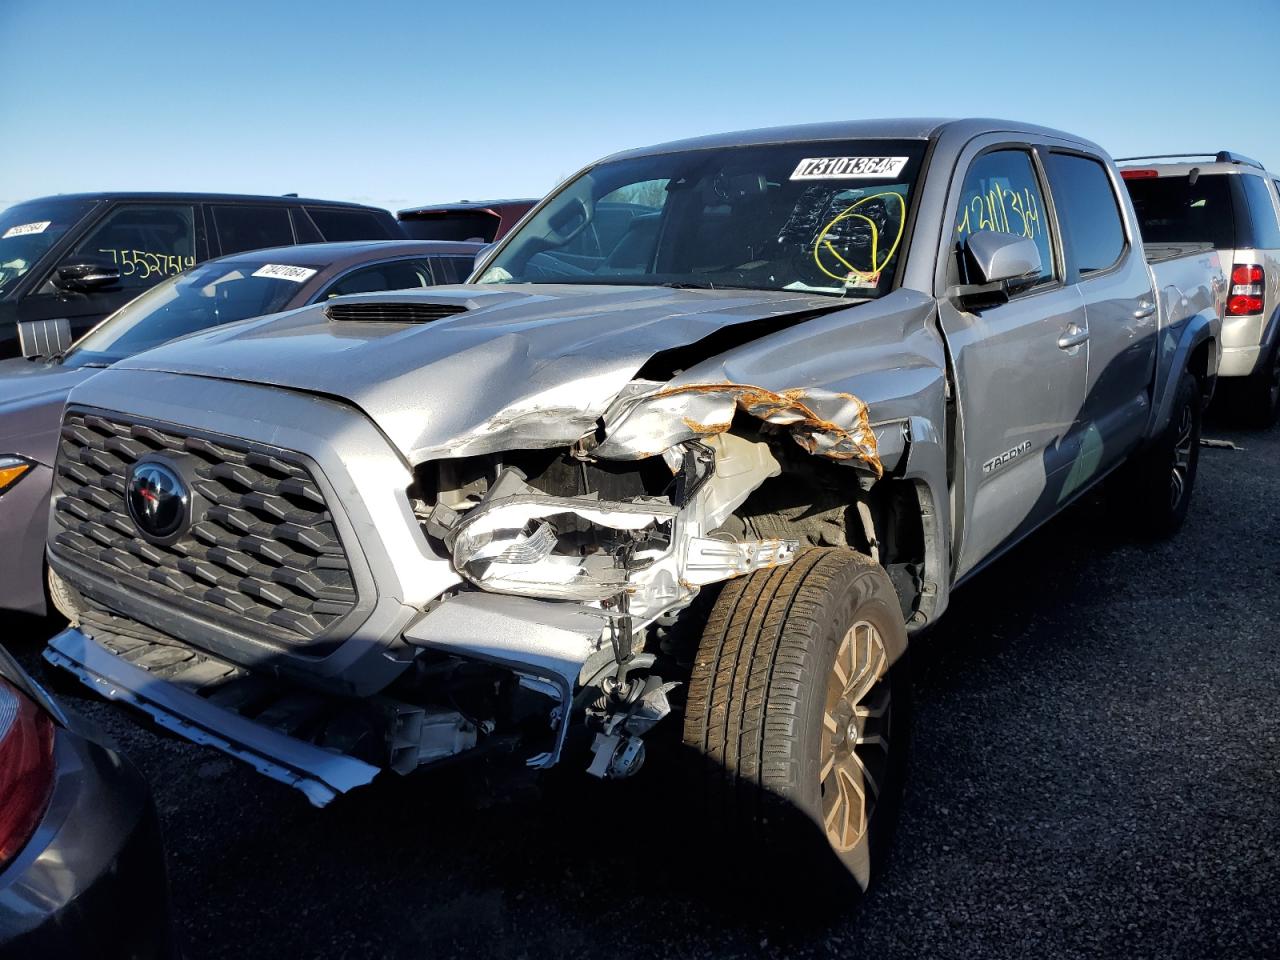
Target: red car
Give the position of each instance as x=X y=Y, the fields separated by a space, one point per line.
x=483 y=220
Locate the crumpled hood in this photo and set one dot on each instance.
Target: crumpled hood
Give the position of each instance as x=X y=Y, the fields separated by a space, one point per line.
x=524 y=365
x=32 y=395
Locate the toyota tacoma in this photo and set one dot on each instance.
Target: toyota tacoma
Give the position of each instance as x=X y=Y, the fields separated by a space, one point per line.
x=709 y=476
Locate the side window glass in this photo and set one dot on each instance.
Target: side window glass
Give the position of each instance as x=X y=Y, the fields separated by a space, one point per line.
x=1001 y=193
x=454 y=269
x=148 y=242
x=1087 y=211
x=246 y=227
x=396 y=275
x=339 y=224
x=1262 y=212
x=303 y=228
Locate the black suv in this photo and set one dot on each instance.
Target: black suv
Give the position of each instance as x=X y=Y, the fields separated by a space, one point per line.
x=79 y=257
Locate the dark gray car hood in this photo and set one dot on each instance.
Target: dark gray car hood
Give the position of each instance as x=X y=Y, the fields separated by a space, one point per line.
x=523 y=366
x=32 y=395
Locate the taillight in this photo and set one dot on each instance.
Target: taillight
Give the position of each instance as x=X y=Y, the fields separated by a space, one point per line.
x=1139 y=174
x=26 y=768
x=1247 y=283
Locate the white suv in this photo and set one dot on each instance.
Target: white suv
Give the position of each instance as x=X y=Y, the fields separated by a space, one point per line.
x=1232 y=203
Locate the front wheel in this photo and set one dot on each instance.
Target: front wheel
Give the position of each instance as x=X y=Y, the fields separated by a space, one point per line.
x=797 y=720
x=1159 y=482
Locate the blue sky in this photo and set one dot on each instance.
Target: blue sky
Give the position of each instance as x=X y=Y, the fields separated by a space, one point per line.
x=399 y=103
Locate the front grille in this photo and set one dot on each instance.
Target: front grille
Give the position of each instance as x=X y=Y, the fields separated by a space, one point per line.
x=379 y=311
x=262 y=555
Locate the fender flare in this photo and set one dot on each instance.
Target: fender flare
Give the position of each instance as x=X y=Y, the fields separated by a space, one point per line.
x=1177 y=344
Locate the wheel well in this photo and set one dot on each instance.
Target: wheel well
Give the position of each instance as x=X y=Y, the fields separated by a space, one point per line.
x=1198 y=362
x=817 y=502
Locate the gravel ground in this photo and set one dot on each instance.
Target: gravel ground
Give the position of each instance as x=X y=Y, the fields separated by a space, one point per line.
x=1095 y=771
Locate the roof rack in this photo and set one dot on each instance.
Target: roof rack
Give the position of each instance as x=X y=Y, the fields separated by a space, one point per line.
x=1222 y=156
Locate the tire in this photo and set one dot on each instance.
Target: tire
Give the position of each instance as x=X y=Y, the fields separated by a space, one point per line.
x=769 y=729
x=1160 y=481
x=61 y=597
x=1255 y=400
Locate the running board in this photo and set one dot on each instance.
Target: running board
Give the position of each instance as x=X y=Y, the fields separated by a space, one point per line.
x=162 y=680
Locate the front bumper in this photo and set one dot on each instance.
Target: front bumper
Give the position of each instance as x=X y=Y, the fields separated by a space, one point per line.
x=24 y=523
x=176 y=705
x=91 y=881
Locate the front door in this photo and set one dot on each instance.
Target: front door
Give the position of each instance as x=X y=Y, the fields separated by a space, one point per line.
x=147 y=242
x=1020 y=367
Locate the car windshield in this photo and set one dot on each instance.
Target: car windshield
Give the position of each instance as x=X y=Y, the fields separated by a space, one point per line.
x=826 y=217
x=205 y=296
x=28 y=230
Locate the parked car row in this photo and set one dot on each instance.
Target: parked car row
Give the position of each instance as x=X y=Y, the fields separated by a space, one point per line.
x=714 y=431
x=76 y=258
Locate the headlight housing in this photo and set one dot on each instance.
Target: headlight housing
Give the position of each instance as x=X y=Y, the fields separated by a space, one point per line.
x=559 y=548
x=12 y=469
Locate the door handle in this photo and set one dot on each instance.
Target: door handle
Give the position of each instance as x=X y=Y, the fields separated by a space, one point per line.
x=1145 y=309
x=1072 y=337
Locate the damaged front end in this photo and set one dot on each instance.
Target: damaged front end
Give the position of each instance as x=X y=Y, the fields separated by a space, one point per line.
x=582 y=560
x=530 y=601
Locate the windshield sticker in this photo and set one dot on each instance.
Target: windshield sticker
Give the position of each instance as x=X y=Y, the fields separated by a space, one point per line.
x=848 y=168
x=27 y=229
x=279 y=271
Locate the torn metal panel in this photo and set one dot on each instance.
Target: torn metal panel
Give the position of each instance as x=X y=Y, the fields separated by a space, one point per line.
x=822 y=422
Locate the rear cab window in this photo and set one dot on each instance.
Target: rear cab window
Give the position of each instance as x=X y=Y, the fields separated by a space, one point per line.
x=243 y=227
x=1001 y=192
x=1088 y=212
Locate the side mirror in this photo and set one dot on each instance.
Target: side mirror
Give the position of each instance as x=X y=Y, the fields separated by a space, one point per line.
x=86 y=275
x=996 y=261
x=997 y=257
x=44 y=338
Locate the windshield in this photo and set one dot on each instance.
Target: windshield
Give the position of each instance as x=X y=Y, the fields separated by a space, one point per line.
x=28 y=230
x=826 y=217
x=203 y=297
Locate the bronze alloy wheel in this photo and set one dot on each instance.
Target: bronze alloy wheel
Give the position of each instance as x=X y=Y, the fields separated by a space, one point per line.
x=855 y=736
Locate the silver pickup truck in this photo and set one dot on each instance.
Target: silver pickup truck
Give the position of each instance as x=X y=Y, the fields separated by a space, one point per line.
x=713 y=432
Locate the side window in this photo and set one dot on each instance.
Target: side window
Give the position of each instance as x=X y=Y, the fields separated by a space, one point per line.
x=1262 y=212
x=148 y=242
x=339 y=224
x=463 y=267
x=1001 y=192
x=1088 y=212
x=395 y=275
x=452 y=269
x=246 y=227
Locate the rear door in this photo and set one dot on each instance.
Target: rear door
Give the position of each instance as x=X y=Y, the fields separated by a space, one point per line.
x=1019 y=367
x=1109 y=267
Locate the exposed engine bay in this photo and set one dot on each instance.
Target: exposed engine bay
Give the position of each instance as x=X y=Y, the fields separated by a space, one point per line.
x=625 y=529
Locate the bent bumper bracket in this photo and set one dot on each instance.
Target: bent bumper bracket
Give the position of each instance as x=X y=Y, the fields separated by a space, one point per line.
x=319 y=773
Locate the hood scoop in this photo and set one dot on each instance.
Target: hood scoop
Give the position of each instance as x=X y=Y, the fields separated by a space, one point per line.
x=389 y=311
